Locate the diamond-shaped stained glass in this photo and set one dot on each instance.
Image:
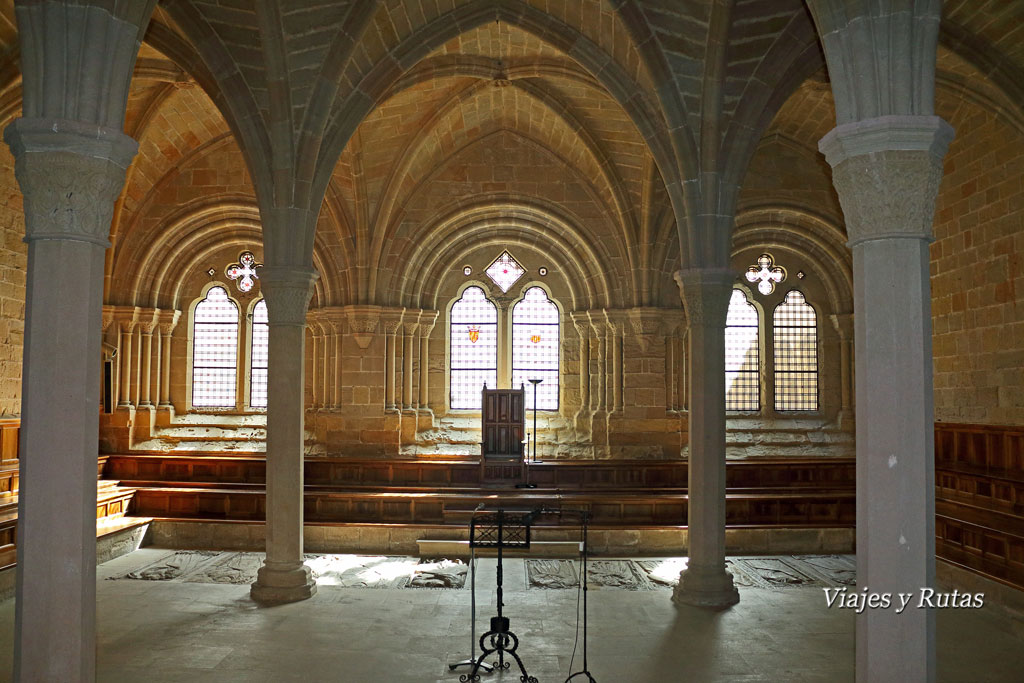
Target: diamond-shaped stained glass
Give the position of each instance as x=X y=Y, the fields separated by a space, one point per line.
x=505 y=271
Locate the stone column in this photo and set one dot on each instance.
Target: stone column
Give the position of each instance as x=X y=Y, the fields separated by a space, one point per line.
x=598 y=388
x=583 y=332
x=427 y=321
x=391 y=320
x=409 y=330
x=887 y=172
x=168 y=320
x=844 y=328
x=70 y=174
x=337 y=326
x=284 y=577
x=146 y=352
x=127 y=319
x=615 y=331
x=314 y=350
x=705 y=581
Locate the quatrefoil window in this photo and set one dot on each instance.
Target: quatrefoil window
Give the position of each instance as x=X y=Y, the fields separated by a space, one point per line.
x=244 y=272
x=766 y=274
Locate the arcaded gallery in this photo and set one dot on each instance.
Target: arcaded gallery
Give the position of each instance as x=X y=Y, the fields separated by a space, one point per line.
x=630 y=341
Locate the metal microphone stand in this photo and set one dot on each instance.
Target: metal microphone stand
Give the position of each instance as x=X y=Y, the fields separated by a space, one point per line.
x=472 y=661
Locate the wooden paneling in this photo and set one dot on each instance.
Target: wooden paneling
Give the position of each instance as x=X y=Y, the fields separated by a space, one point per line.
x=9 y=431
x=979 y=499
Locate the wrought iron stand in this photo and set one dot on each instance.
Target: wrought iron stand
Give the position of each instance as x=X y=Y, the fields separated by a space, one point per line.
x=472 y=661
x=499 y=529
x=583 y=574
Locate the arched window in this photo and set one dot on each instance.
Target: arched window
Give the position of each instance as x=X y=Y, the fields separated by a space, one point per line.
x=796 y=354
x=473 y=345
x=742 y=374
x=258 y=353
x=535 y=347
x=215 y=351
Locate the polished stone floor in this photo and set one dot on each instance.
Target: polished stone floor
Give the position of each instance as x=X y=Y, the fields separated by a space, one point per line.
x=185 y=630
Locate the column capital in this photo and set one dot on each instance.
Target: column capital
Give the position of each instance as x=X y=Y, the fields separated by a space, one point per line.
x=108 y=316
x=581 y=321
x=705 y=294
x=126 y=317
x=410 y=322
x=843 y=323
x=149 y=318
x=647 y=324
x=287 y=290
x=427 y=321
x=391 y=320
x=362 y=321
x=168 y=320
x=887 y=171
x=70 y=174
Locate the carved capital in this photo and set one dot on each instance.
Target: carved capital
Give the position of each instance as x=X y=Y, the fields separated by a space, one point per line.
x=70 y=174
x=168 y=321
x=391 y=320
x=410 y=322
x=887 y=172
x=427 y=321
x=581 y=321
x=843 y=322
x=148 y=319
x=108 y=317
x=362 y=321
x=705 y=294
x=646 y=324
x=126 y=317
x=287 y=290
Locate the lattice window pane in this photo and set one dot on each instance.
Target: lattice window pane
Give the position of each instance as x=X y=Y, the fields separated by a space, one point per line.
x=505 y=271
x=215 y=351
x=742 y=356
x=259 y=351
x=473 y=345
x=796 y=354
x=535 y=343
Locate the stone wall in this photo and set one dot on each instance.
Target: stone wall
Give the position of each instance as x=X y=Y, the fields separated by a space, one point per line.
x=977 y=266
x=13 y=263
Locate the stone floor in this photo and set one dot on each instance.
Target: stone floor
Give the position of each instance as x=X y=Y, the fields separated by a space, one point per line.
x=182 y=629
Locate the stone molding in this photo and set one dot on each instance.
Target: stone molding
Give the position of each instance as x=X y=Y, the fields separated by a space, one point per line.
x=362 y=322
x=887 y=172
x=705 y=294
x=288 y=290
x=168 y=321
x=70 y=174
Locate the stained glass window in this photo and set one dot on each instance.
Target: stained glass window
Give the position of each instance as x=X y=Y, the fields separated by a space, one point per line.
x=742 y=375
x=244 y=271
x=214 y=351
x=473 y=345
x=796 y=354
x=505 y=271
x=259 y=346
x=535 y=337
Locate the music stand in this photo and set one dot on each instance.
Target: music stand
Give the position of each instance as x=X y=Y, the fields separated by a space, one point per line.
x=584 y=515
x=472 y=661
x=499 y=529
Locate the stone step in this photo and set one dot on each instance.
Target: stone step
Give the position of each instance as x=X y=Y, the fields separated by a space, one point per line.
x=221 y=419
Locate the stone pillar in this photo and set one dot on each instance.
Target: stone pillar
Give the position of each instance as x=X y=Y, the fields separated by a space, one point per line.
x=427 y=321
x=391 y=320
x=583 y=332
x=284 y=577
x=136 y=385
x=598 y=388
x=337 y=326
x=887 y=172
x=127 y=319
x=146 y=352
x=615 y=331
x=70 y=174
x=168 y=320
x=315 y=343
x=705 y=581
x=409 y=330
x=844 y=328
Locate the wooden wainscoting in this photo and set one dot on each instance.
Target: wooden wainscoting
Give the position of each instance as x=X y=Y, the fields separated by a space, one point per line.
x=979 y=499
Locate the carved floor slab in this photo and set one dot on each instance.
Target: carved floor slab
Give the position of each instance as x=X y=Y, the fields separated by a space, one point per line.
x=439 y=574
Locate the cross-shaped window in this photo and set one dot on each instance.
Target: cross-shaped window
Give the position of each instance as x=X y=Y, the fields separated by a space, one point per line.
x=766 y=274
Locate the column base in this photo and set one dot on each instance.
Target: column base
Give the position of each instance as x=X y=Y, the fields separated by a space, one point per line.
x=287 y=583
x=706 y=587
